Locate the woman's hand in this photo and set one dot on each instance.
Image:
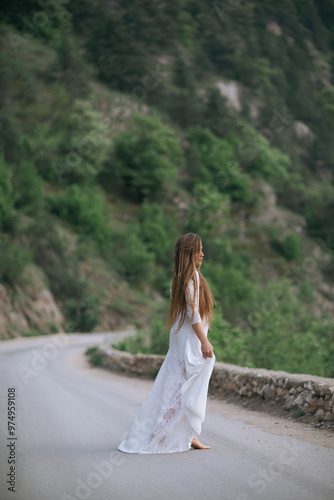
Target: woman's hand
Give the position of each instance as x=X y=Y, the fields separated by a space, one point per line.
x=207 y=349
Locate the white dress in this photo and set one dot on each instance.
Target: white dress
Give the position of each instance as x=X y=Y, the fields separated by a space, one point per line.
x=175 y=407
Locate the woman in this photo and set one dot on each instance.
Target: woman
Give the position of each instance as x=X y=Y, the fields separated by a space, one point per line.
x=175 y=408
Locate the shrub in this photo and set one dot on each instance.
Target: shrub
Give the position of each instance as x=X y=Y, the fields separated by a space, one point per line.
x=146 y=341
x=231 y=288
x=284 y=336
x=319 y=214
x=13 y=260
x=212 y=160
x=130 y=256
x=6 y=197
x=61 y=266
x=28 y=188
x=143 y=158
x=208 y=210
x=229 y=342
x=291 y=247
x=258 y=157
x=72 y=147
x=85 y=208
x=84 y=315
x=94 y=356
x=51 y=252
x=155 y=229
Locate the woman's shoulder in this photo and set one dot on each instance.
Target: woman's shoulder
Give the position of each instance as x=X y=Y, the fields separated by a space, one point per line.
x=195 y=278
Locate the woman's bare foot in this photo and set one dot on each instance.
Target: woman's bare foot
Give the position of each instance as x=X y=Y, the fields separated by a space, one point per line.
x=195 y=443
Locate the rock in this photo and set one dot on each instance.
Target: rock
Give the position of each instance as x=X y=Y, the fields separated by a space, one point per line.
x=303 y=131
x=329 y=417
x=326 y=290
x=309 y=386
x=274 y=27
x=31 y=307
x=267 y=392
x=314 y=405
x=231 y=91
x=301 y=400
x=289 y=403
x=319 y=413
x=328 y=401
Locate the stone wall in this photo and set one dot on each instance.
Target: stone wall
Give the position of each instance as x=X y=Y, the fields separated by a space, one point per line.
x=314 y=395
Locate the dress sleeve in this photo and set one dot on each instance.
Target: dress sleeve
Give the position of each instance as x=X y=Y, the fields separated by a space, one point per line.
x=190 y=293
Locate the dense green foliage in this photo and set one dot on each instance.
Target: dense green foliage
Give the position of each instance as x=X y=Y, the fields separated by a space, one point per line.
x=143 y=157
x=115 y=139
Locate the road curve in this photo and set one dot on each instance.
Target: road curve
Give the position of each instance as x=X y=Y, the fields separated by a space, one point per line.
x=70 y=419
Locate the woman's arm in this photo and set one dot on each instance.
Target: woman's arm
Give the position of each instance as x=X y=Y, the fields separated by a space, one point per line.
x=206 y=346
x=196 y=320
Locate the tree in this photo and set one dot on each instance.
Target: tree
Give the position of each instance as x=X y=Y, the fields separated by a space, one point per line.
x=216 y=164
x=6 y=196
x=144 y=156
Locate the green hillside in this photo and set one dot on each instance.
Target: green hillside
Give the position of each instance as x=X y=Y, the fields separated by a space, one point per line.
x=126 y=124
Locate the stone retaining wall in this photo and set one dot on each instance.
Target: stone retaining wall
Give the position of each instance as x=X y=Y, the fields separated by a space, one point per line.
x=314 y=395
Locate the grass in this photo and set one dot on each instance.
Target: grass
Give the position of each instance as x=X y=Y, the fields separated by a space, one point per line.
x=94 y=356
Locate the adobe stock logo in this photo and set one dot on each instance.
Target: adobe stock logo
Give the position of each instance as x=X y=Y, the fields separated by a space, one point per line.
x=150 y=81
x=32 y=26
x=40 y=359
x=259 y=481
x=94 y=479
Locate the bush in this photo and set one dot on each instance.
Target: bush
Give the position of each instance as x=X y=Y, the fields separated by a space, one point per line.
x=319 y=215
x=278 y=334
x=284 y=336
x=13 y=260
x=212 y=160
x=143 y=158
x=72 y=147
x=6 y=197
x=85 y=208
x=130 y=256
x=231 y=288
x=155 y=230
x=229 y=343
x=94 y=356
x=291 y=247
x=61 y=266
x=209 y=210
x=146 y=341
x=51 y=252
x=84 y=315
x=28 y=188
x=258 y=157
x=71 y=68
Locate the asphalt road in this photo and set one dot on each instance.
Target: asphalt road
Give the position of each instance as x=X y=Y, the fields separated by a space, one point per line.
x=69 y=421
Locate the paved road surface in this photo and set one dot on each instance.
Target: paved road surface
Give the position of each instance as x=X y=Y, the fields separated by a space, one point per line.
x=70 y=420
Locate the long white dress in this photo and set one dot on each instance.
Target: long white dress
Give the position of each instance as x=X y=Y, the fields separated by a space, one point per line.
x=175 y=407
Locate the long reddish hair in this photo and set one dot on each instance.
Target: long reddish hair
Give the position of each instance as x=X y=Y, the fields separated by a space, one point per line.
x=186 y=248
